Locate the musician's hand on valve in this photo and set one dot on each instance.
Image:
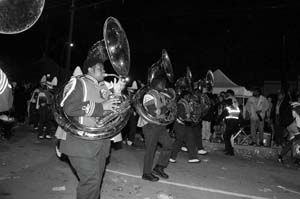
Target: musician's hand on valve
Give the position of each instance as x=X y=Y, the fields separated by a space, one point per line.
x=119 y=85
x=111 y=104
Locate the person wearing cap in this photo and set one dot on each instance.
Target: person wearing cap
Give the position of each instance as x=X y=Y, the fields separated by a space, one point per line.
x=85 y=98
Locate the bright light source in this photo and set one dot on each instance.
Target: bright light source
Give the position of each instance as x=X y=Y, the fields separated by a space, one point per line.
x=71 y=44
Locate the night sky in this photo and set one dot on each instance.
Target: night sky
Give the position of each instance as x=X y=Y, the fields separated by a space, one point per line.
x=250 y=41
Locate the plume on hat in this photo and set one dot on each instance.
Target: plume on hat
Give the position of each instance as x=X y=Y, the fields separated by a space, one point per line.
x=54 y=81
x=77 y=71
x=49 y=84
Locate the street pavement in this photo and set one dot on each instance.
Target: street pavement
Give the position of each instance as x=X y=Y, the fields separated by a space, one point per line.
x=29 y=169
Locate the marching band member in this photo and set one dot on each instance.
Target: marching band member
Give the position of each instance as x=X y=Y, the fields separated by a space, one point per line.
x=85 y=99
x=6 y=96
x=6 y=103
x=231 y=114
x=155 y=104
x=184 y=129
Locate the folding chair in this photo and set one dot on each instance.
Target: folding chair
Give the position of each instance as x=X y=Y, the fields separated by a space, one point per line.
x=241 y=137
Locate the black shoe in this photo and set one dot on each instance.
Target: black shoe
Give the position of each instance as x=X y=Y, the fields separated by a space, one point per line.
x=159 y=170
x=41 y=137
x=150 y=177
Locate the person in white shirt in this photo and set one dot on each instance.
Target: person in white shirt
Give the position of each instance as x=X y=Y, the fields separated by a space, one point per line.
x=256 y=106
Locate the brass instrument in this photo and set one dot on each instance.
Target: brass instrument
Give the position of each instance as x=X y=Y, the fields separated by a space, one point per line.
x=207 y=83
x=162 y=68
x=17 y=16
x=199 y=102
x=203 y=86
x=114 y=47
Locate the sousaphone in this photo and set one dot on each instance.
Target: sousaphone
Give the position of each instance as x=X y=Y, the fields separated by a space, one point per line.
x=184 y=87
x=201 y=87
x=114 y=47
x=184 y=83
x=162 y=68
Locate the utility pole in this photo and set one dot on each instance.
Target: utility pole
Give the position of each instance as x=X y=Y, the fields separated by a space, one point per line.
x=69 y=43
x=284 y=64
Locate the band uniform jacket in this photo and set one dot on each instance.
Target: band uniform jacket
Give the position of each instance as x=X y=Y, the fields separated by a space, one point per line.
x=155 y=104
x=83 y=97
x=183 y=112
x=6 y=96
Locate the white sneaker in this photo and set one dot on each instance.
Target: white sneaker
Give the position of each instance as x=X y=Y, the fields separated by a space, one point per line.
x=184 y=149
x=193 y=161
x=172 y=160
x=202 y=152
x=41 y=137
x=48 y=137
x=58 y=153
x=129 y=143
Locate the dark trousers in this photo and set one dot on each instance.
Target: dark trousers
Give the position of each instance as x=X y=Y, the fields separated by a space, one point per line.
x=132 y=126
x=279 y=132
x=90 y=173
x=5 y=129
x=44 y=120
x=155 y=134
x=232 y=126
x=198 y=136
x=33 y=115
x=184 y=134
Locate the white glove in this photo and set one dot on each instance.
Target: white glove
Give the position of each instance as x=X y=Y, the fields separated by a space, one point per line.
x=118 y=86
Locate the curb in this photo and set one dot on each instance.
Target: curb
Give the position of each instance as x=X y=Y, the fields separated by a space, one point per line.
x=245 y=151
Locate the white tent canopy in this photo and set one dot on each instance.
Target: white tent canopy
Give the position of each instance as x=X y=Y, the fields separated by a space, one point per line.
x=222 y=83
